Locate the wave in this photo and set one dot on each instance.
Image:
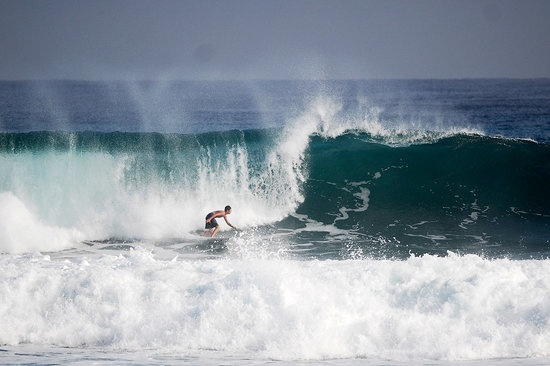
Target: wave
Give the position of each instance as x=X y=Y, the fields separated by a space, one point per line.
x=286 y=310
x=425 y=191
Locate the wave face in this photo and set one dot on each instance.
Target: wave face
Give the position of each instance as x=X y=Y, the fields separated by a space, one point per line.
x=346 y=192
x=464 y=192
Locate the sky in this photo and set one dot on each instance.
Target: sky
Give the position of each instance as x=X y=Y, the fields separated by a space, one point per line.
x=268 y=39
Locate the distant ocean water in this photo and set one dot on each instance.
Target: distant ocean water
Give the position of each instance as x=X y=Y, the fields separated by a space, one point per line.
x=382 y=222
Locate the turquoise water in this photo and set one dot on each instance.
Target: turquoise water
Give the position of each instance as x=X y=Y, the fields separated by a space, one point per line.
x=465 y=193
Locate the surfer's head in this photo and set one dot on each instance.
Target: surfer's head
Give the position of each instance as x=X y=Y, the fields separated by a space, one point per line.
x=227 y=209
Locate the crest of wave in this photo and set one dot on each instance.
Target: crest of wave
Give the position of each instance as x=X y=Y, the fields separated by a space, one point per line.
x=329 y=117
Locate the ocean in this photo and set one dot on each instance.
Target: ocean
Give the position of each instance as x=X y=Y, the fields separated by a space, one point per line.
x=381 y=222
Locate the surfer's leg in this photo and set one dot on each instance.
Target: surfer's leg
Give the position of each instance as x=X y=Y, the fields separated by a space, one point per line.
x=209 y=226
x=215 y=231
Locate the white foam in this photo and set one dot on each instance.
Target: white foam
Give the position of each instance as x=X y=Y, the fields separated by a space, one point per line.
x=22 y=231
x=428 y=308
x=99 y=195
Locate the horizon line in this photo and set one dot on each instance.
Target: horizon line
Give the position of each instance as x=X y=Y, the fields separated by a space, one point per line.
x=274 y=79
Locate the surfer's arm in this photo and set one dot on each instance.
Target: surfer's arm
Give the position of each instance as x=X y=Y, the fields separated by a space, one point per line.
x=227 y=222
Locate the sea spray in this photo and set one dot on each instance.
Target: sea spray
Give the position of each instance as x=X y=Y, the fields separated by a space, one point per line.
x=152 y=185
x=148 y=185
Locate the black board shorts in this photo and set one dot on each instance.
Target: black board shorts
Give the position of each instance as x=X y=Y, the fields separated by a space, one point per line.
x=212 y=224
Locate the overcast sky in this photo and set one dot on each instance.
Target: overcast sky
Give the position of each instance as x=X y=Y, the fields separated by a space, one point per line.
x=135 y=39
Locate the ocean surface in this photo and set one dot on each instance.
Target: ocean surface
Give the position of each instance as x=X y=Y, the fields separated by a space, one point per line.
x=381 y=222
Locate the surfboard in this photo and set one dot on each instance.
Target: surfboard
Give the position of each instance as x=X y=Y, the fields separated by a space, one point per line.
x=212 y=245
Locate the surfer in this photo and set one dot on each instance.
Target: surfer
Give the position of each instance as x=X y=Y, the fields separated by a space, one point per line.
x=212 y=225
